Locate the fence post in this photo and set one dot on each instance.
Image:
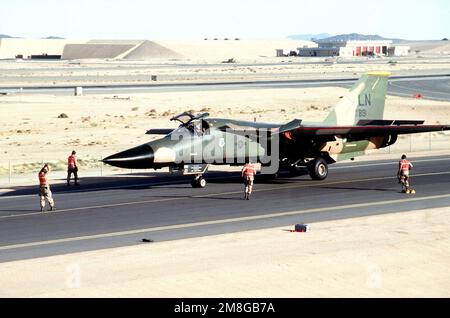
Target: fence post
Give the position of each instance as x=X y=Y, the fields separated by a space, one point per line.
x=10 y=172
x=410 y=143
x=429 y=141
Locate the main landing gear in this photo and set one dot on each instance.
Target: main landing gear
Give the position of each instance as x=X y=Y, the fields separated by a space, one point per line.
x=198 y=182
x=318 y=169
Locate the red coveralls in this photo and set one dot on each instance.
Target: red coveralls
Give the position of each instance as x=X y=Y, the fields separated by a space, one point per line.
x=248 y=172
x=404 y=166
x=44 y=191
x=72 y=168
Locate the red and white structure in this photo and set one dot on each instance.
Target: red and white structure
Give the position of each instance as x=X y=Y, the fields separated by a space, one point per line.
x=356 y=48
x=365 y=48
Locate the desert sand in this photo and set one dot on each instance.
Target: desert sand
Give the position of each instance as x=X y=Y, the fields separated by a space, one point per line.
x=395 y=255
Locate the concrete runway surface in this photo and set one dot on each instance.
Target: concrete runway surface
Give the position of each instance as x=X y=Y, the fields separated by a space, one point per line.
x=121 y=211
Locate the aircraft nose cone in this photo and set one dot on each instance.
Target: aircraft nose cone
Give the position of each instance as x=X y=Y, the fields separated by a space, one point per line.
x=141 y=157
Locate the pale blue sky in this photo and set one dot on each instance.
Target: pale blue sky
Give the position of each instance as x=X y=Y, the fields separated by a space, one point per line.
x=196 y=19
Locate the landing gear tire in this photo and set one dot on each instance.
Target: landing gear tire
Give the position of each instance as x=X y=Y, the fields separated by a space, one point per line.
x=318 y=169
x=199 y=182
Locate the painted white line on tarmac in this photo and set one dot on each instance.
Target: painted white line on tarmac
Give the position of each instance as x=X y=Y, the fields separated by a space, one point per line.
x=225 y=221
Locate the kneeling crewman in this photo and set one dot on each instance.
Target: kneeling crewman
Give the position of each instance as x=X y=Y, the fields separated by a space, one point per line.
x=404 y=166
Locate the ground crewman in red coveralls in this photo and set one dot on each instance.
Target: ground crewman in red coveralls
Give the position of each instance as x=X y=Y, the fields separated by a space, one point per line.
x=44 y=189
x=248 y=173
x=404 y=166
x=72 y=167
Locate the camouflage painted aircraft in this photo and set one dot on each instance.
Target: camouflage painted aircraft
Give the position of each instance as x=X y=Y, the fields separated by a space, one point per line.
x=353 y=128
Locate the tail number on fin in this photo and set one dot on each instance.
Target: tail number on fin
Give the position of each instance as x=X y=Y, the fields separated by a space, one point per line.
x=362 y=113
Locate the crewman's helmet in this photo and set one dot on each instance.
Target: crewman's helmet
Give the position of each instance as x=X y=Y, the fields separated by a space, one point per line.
x=403 y=157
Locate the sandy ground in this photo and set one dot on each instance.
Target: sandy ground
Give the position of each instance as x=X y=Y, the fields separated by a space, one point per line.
x=245 y=50
x=395 y=255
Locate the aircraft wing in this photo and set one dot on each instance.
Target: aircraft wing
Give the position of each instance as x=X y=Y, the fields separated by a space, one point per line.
x=362 y=130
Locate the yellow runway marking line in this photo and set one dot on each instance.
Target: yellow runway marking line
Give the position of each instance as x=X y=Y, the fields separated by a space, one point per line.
x=292 y=186
x=224 y=221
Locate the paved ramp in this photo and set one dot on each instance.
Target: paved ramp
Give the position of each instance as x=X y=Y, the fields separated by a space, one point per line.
x=123 y=212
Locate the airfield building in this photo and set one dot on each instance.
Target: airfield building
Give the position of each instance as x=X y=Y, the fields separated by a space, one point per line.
x=355 y=49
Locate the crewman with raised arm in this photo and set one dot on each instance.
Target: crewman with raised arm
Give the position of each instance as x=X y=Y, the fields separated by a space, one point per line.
x=44 y=189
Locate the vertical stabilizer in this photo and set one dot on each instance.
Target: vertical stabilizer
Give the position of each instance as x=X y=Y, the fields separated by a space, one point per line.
x=364 y=101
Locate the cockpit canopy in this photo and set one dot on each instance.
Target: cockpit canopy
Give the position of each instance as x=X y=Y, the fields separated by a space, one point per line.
x=194 y=124
x=187 y=117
